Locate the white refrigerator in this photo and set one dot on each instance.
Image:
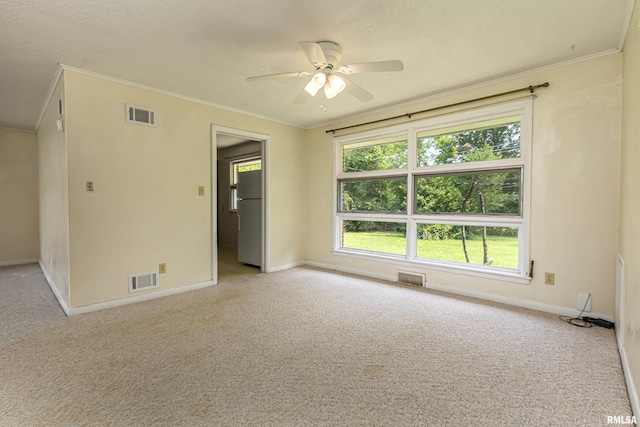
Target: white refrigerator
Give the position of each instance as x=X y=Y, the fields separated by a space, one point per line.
x=250 y=217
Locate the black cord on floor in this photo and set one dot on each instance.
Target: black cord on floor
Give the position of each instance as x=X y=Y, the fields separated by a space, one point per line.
x=577 y=321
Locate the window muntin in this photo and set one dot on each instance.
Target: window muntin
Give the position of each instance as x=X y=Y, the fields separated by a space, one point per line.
x=481 y=193
x=376 y=154
x=479 y=141
x=374 y=236
x=373 y=195
x=504 y=181
x=483 y=245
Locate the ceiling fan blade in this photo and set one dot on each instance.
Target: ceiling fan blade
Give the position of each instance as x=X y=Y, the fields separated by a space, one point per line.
x=279 y=75
x=315 y=54
x=371 y=67
x=303 y=97
x=356 y=91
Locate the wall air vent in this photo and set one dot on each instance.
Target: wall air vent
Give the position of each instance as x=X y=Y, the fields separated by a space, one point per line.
x=411 y=278
x=141 y=116
x=140 y=282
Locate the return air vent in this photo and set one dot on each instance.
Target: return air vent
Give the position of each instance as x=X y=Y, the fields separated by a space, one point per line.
x=140 y=282
x=410 y=278
x=141 y=116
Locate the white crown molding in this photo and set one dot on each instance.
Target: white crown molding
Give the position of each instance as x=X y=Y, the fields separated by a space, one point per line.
x=391 y=107
x=628 y=10
x=466 y=88
x=169 y=93
x=47 y=99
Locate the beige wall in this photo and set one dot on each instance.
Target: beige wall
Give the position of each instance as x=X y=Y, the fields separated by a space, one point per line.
x=630 y=202
x=575 y=173
x=227 y=220
x=145 y=207
x=18 y=197
x=53 y=196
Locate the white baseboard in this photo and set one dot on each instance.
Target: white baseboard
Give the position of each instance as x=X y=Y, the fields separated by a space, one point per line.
x=54 y=289
x=518 y=302
x=349 y=270
x=138 y=298
x=565 y=311
x=17 y=262
x=284 y=266
x=631 y=387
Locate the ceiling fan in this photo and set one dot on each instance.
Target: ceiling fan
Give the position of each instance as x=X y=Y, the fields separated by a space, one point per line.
x=325 y=56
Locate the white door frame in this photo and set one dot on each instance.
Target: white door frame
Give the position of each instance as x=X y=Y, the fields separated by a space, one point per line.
x=266 y=158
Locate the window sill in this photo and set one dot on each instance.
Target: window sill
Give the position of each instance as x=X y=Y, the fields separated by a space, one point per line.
x=504 y=276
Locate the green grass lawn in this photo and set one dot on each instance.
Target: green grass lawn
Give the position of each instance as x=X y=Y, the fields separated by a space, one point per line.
x=503 y=249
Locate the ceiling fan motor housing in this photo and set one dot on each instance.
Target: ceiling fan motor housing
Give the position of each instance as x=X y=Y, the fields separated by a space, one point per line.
x=332 y=51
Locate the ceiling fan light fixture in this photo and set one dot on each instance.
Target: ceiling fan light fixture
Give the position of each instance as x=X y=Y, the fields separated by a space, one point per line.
x=329 y=91
x=317 y=81
x=334 y=86
x=311 y=88
x=337 y=83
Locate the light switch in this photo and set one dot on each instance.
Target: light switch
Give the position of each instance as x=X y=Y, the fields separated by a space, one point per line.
x=201 y=190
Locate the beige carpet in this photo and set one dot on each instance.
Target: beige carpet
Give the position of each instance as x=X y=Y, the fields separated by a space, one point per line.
x=229 y=268
x=300 y=347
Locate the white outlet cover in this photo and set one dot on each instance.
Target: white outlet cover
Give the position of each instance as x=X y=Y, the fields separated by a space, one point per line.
x=582 y=300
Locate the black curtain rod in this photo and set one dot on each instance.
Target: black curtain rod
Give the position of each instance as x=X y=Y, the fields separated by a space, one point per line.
x=531 y=89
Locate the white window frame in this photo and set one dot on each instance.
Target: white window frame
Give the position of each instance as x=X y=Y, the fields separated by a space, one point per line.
x=522 y=108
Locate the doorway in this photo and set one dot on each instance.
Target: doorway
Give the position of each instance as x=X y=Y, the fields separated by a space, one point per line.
x=239 y=226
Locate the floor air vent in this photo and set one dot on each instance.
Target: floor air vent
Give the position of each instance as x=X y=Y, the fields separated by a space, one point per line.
x=140 y=282
x=410 y=278
x=142 y=116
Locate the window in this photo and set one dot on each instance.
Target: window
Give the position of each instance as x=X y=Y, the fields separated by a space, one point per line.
x=384 y=237
x=237 y=167
x=449 y=192
x=374 y=195
x=378 y=154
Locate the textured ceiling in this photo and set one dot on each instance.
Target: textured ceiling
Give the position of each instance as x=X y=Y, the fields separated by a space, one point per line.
x=206 y=49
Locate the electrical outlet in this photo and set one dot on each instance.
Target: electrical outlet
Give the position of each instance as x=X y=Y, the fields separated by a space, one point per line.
x=162 y=268
x=201 y=190
x=549 y=279
x=89 y=186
